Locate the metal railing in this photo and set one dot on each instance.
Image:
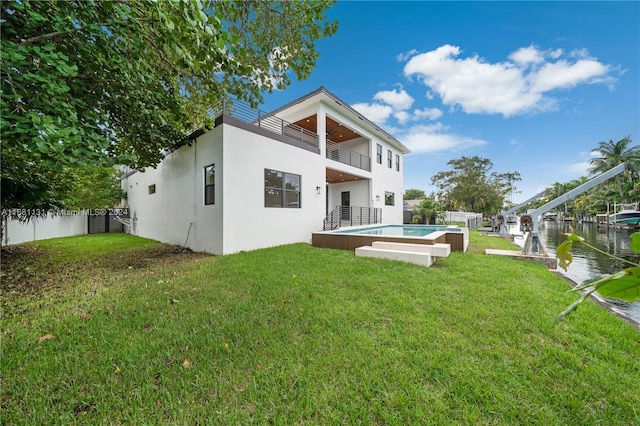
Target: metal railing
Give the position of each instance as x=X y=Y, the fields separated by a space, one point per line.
x=351 y=216
x=244 y=112
x=474 y=221
x=347 y=156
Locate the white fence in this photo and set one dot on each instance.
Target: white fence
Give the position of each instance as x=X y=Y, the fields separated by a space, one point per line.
x=472 y=220
x=42 y=228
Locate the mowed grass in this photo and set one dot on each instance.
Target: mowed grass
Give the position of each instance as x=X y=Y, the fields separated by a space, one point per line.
x=114 y=329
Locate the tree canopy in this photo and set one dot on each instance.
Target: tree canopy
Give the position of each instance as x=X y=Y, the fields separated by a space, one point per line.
x=414 y=194
x=100 y=83
x=471 y=186
x=610 y=154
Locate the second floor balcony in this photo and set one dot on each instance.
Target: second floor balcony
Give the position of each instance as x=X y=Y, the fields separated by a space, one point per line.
x=344 y=155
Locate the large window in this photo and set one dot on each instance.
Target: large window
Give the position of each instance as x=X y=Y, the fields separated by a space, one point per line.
x=389 y=198
x=397 y=163
x=210 y=184
x=281 y=189
x=389 y=158
x=379 y=153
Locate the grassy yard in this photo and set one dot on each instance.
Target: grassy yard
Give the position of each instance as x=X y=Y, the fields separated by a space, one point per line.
x=113 y=329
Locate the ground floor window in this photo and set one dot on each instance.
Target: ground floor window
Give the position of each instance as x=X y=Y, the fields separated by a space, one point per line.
x=210 y=184
x=389 y=198
x=281 y=189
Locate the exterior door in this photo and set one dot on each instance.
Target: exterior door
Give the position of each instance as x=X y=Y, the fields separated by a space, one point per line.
x=345 y=202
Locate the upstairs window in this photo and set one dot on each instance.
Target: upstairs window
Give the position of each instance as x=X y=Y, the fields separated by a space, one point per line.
x=281 y=189
x=210 y=184
x=152 y=189
x=379 y=153
x=397 y=163
x=389 y=158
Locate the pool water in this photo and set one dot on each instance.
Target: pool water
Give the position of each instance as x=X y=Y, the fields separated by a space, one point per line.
x=400 y=230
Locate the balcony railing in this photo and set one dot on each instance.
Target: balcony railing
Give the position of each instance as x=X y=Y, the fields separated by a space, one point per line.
x=347 y=156
x=244 y=112
x=350 y=216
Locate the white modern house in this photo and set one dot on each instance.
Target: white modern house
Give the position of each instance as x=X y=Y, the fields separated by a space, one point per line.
x=264 y=179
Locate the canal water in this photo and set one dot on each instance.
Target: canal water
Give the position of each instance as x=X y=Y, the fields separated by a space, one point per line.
x=587 y=262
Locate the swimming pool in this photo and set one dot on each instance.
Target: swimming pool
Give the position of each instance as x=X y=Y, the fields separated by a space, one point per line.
x=400 y=230
x=352 y=238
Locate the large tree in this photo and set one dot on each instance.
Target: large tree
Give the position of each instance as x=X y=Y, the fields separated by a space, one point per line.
x=104 y=82
x=414 y=194
x=470 y=185
x=610 y=154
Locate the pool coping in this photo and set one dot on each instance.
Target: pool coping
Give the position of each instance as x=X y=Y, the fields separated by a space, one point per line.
x=458 y=240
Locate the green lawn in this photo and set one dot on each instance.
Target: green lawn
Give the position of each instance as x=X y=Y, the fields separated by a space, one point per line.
x=114 y=329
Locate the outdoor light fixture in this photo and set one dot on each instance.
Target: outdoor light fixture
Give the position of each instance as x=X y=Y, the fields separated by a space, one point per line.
x=319 y=190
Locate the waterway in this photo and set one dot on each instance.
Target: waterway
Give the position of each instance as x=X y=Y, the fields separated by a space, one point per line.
x=587 y=262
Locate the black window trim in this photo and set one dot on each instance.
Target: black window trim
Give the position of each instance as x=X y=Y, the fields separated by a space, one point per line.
x=209 y=202
x=389 y=195
x=284 y=190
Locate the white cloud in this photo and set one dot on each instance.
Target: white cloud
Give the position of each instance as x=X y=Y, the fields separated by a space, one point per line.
x=519 y=85
x=430 y=113
x=399 y=100
x=581 y=168
x=434 y=137
x=395 y=103
x=527 y=55
x=375 y=112
x=406 y=55
x=402 y=116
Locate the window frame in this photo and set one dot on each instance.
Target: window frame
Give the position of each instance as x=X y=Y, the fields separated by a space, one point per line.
x=151 y=189
x=208 y=202
x=379 y=153
x=389 y=196
x=389 y=158
x=397 y=162
x=284 y=191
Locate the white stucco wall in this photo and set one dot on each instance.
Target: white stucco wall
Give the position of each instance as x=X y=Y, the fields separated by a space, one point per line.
x=43 y=228
x=387 y=179
x=176 y=213
x=238 y=220
x=248 y=223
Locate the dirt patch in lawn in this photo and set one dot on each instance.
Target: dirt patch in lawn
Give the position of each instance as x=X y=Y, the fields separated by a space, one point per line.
x=30 y=271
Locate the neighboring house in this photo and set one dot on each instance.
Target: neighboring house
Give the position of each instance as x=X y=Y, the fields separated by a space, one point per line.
x=258 y=180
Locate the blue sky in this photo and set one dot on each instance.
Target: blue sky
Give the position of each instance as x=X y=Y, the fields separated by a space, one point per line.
x=532 y=86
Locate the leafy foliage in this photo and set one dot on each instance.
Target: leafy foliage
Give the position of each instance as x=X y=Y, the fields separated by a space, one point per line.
x=471 y=185
x=414 y=194
x=428 y=211
x=623 y=285
x=94 y=188
x=610 y=154
x=97 y=83
x=625 y=188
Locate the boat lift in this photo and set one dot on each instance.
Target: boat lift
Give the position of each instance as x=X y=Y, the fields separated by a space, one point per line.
x=532 y=244
x=502 y=226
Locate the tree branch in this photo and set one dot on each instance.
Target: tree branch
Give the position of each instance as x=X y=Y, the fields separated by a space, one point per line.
x=58 y=33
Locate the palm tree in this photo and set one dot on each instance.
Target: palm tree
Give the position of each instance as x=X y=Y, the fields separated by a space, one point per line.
x=613 y=153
